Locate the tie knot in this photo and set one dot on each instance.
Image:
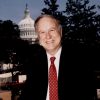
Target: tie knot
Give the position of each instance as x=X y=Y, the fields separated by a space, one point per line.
x=52 y=59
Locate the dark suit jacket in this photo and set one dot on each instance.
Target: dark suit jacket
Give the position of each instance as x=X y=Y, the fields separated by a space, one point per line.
x=75 y=79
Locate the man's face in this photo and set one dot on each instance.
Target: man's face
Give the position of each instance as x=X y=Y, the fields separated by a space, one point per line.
x=49 y=34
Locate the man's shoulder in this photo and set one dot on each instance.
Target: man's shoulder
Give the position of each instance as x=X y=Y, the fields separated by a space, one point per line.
x=36 y=52
x=36 y=48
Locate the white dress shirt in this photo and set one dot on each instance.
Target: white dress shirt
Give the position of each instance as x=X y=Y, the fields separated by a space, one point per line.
x=56 y=62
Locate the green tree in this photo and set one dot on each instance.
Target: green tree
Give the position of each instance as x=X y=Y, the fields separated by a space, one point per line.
x=98 y=22
x=10 y=40
x=52 y=7
x=81 y=21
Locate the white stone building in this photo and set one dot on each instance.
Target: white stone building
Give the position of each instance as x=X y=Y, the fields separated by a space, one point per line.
x=26 y=26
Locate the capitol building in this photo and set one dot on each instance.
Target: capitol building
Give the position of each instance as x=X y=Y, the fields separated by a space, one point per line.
x=26 y=26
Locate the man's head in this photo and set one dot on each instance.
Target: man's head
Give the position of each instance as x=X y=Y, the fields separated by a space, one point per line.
x=49 y=33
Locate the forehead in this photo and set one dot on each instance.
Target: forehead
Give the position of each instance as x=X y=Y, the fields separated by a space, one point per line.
x=47 y=20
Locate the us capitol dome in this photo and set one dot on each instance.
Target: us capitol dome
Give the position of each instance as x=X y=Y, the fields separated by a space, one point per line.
x=26 y=26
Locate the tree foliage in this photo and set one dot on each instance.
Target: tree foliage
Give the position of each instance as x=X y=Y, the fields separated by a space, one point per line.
x=10 y=40
x=52 y=7
x=81 y=20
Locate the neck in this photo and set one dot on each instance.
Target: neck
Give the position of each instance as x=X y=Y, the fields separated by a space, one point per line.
x=52 y=53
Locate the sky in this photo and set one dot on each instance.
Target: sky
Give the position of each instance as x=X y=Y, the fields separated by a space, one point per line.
x=14 y=9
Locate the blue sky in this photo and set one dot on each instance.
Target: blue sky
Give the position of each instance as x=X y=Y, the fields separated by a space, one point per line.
x=14 y=9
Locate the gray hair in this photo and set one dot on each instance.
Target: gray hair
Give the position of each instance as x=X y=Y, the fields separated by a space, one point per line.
x=46 y=15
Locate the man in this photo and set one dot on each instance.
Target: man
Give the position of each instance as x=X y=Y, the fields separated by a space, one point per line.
x=74 y=75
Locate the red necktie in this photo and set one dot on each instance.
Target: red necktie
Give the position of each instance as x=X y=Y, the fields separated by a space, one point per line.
x=53 y=83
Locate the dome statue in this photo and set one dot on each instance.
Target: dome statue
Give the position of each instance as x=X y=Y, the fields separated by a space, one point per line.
x=26 y=26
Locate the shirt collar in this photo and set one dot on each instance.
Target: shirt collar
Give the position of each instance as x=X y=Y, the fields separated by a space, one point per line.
x=56 y=55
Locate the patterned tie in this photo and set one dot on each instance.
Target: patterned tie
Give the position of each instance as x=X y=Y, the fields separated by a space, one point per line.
x=53 y=83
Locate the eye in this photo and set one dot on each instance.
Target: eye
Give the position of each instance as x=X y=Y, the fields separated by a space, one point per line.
x=41 y=32
x=52 y=30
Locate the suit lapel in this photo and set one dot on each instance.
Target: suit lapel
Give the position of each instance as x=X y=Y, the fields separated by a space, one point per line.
x=63 y=74
x=61 y=77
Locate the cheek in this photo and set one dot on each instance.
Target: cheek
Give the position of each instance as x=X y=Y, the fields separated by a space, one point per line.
x=57 y=36
x=42 y=36
x=41 y=39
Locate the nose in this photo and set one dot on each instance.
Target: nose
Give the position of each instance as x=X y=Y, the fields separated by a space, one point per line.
x=48 y=35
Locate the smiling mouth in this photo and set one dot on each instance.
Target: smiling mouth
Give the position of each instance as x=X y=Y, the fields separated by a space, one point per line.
x=49 y=42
